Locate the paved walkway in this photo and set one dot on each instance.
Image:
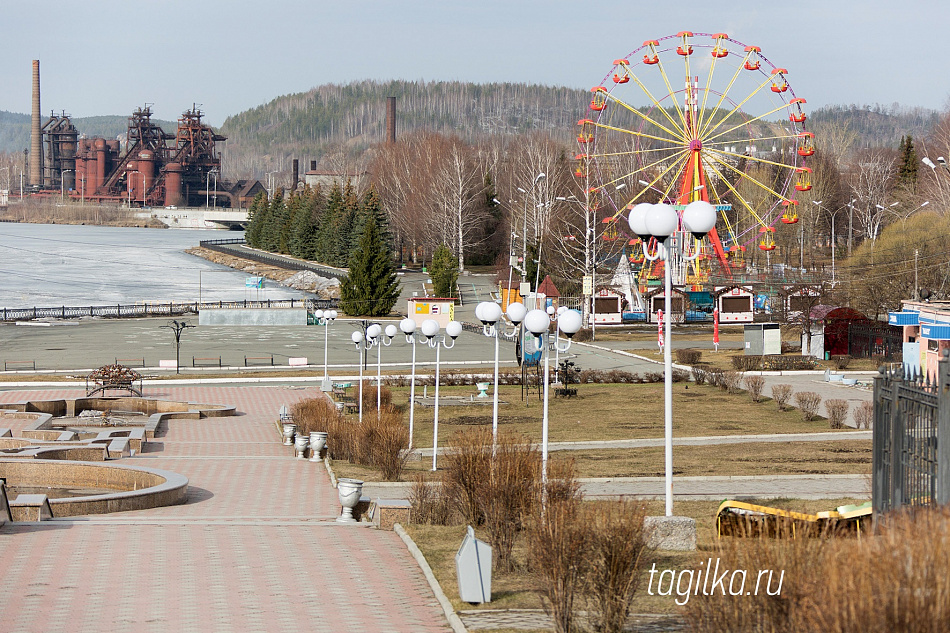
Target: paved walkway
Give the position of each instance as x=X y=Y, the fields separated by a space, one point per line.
x=254 y=549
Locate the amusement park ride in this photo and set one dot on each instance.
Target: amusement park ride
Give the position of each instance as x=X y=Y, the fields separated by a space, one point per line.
x=727 y=129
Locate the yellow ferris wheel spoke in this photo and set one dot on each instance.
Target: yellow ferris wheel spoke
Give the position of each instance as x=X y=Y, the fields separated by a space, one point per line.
x=781 y=137
x=640 y=134
x=744 y=123
x=671 y=92
x=710 y=130
x=738 y=195
x=652 y=184
x=722 y=97
x=747 y=177
x=677 y=134
x=753 y=158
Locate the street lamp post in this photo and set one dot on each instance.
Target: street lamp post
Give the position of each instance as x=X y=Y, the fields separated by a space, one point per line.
x=380 y=339
x=408 y=327
x=364 y=342
x=177 y=327
x=62 y=183
x=325 y=318
x=129 y=185
x=538 y=322
x=208 y=188
x=659 y=222
x=489 y=313
x=430 y=330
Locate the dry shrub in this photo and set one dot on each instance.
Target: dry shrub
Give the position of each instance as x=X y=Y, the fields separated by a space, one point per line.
x=466 y=467
x=754 y=385
x=508 y=495
x=562 y=485
x=653 y=376
x=428 y=505
x=837 y=412
x=369 y=397
x=313 y=414
x=863 y=415
x=618 y=552
x=688 y=356
x=700 y=375
x=781 y=394
x=383 y=439
x=841 y=361
x=747 y=363
x=808 y=402
x=895 y=580
x=342 y=440
x=731 y=382
x=557 y=544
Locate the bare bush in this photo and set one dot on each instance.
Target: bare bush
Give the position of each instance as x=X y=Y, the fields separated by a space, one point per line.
x=808 y=402
x=369 y=398
x=428 y=506
x=700 y=375
x=781 y=394
x=747 y=363
x=507 y=496
x=841 y=361
x=731 y=382
x=754 y=385
x=617 y=553
x=837 y=413
x=383 y=441
x=467 y=466
x=896 y=581
x=688 y=356
x=313 y=414
x=863 y=415
x=557 y=543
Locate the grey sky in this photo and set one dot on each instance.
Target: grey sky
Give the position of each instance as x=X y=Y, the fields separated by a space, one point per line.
x=110 y=56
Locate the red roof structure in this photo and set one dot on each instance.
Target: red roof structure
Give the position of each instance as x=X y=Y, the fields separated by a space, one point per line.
x=547 y=288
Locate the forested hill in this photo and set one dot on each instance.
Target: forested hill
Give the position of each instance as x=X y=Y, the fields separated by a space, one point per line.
x=15 y=128
x=877 y=125
x=356 y=112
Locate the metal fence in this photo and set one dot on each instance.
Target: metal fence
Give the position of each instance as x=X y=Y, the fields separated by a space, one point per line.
x=155 y=309
x=867 y=340
x=238 y=248
x=911 y=465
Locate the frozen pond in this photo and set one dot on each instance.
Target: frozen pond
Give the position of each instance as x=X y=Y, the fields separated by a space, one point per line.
x=47 y=265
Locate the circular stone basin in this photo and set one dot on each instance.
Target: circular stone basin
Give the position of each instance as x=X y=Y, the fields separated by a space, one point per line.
x=113 y=487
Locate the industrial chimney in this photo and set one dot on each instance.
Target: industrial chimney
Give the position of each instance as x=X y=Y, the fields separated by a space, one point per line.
x=391 y=119
x=36 y=131
x=296 y=171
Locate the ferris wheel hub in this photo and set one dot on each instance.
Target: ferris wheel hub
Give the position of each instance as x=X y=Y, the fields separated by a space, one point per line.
x=695 y=145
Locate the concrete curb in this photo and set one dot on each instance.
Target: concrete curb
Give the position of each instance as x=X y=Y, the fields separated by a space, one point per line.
x=631 y=355
x=454 y=620
x=326 y=462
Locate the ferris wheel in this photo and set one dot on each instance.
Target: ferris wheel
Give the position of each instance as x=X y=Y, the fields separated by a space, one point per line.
x=699 y=116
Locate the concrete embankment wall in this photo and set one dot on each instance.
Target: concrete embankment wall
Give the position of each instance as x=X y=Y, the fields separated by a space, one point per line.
x=253 y=316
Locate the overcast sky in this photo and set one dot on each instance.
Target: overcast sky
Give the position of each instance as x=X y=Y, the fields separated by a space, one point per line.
x=107 y=56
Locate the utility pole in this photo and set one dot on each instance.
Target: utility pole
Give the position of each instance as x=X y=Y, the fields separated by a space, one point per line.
x=916 y=255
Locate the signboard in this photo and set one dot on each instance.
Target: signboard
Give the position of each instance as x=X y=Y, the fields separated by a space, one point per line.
x=253 y=282
x=588 y=285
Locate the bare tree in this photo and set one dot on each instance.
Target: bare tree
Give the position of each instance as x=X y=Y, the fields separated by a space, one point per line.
x=871 y=186
x=459 y=185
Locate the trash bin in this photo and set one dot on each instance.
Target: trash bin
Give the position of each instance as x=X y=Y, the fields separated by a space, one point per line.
x=473 y=569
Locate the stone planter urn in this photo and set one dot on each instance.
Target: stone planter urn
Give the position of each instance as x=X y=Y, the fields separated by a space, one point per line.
x=350 y=491
x=482 y=389
x=289 y=430
x=318 y=440
x=300 y=446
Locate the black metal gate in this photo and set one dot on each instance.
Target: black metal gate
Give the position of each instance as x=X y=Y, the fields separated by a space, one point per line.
x=911 y=415
x=867 y=340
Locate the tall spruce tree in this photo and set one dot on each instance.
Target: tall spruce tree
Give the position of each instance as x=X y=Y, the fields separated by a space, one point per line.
x=444 y=272
x=371 y=288
x=907 y=164
x=256 y=220
x=306 y=228
x=327 y=237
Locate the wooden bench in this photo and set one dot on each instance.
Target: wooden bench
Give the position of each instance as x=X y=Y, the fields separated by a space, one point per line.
x=206 y=362
x=251 y=361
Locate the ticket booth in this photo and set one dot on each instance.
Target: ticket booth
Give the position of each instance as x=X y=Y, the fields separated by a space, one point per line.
x=441 y=309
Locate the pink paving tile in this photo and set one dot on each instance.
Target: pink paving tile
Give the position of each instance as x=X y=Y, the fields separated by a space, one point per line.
x=248 y=552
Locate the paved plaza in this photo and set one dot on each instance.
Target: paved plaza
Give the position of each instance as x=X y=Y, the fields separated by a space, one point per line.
x=255 y=548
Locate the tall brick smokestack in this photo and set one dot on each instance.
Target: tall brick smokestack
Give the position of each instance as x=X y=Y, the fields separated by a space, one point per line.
x=296 y=170
x=36 y=131
x=391 y=119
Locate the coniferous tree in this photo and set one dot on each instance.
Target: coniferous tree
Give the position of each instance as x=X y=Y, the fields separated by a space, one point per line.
x=444 y=272
x=306 y=229
x=256 y=219
x=326 y=246
x=270 y=230
x=371 y=288
x=907 y=164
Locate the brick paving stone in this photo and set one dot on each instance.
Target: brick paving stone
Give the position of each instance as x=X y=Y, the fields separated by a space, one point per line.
x=255 y=547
